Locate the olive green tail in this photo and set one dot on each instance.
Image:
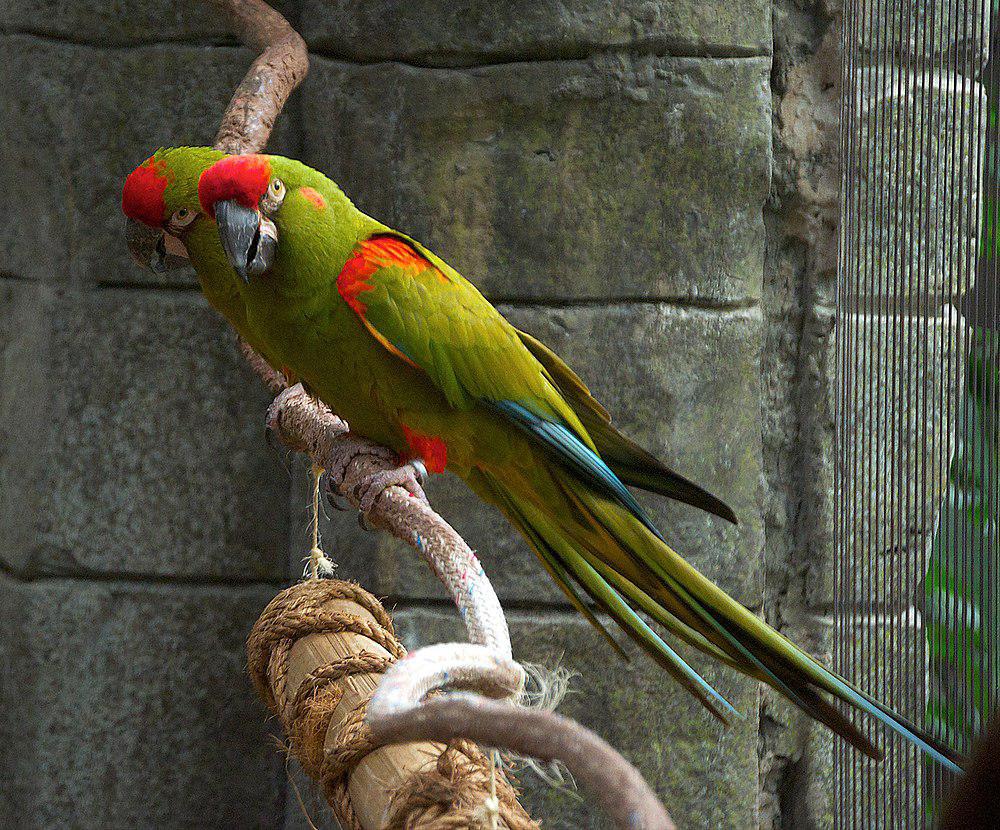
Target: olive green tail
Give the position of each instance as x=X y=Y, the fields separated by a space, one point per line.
x=587 y=541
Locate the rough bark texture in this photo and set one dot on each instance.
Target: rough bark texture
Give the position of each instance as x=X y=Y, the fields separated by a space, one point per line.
x=603 y=171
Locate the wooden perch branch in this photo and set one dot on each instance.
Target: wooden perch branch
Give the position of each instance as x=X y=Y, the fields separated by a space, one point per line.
x=261 y=95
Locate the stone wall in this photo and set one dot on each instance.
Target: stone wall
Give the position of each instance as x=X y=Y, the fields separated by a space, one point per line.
x=600 y=169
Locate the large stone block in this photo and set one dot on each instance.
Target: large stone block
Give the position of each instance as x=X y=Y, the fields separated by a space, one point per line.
x=618 y=176
x=122 y=22
x=76 y=120
x=797 y=752
x=476 y=31
x=128 y=706
x=953 y=32
x=680 y=749
x=684 y=383
x=133 y=439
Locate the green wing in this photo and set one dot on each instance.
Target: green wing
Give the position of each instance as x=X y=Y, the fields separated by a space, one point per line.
x=428 y=314
x=424 y=311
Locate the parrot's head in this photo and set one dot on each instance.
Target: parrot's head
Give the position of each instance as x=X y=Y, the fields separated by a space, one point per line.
x=264 y=205
x=160 y=202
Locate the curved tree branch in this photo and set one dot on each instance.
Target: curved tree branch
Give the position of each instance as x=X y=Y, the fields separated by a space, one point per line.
x=282 y=65
x=612 y=781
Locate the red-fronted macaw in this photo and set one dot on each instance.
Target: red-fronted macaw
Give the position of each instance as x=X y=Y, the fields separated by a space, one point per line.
x=414 y=357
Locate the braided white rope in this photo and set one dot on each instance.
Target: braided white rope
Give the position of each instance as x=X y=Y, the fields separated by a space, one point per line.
x=465 y=666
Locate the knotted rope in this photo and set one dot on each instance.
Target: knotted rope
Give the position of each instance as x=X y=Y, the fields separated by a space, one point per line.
x=452 y=785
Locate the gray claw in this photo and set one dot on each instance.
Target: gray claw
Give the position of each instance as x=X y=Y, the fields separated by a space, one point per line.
x=419 y=470
x=405 y=476
x=333 y=497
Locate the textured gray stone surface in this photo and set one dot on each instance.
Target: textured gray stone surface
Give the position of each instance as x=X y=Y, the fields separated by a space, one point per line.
x=938 y=29
x=79 y=118
x=127 y=706
x=134 y=444
x=503 y=171
x=915 y=193
x=898 y=476
x=122 y=22
x=476 y=31
x=682 y=382
x=802 y=221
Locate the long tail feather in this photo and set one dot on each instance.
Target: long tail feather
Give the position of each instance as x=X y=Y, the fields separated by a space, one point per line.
x=559 y=555
x=584 y=533
x=782 y=664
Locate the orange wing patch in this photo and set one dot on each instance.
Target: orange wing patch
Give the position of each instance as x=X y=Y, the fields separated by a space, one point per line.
x=429 y=448
x=386 y=251
x=369 y=256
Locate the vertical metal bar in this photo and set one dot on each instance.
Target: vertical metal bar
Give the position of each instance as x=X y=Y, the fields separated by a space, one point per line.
x=913 y=202
x=896 y=271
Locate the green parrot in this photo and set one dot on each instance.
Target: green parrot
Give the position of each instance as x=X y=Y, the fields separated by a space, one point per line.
x=398 y=343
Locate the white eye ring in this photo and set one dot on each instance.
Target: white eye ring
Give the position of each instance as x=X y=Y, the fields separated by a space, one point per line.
x=182 y=218
x=274 y=196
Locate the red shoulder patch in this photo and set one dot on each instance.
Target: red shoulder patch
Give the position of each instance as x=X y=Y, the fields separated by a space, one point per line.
x=142 y=196
x=242 y=178
x=353 y=280
x=368 y=257
x=428 y=448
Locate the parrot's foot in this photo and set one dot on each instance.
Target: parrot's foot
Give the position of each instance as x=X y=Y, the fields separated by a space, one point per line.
x=409 y=476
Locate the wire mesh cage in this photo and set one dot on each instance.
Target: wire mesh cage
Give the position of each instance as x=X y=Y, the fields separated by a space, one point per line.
x=918 y=417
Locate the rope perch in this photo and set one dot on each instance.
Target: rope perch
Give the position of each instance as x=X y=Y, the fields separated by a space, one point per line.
x=316 y=655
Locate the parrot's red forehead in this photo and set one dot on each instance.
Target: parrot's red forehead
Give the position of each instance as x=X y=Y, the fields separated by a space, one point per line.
x=142 y=196
x=242 y=178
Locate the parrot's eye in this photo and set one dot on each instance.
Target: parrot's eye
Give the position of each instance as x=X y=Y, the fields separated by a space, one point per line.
x=180 y=219
x=274 y=196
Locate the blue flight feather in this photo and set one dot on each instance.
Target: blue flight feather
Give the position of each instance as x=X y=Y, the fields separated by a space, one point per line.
x=577 y=455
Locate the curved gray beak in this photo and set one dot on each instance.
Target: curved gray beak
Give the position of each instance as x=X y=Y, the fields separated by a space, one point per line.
x=153 y=249
x=249 y=239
